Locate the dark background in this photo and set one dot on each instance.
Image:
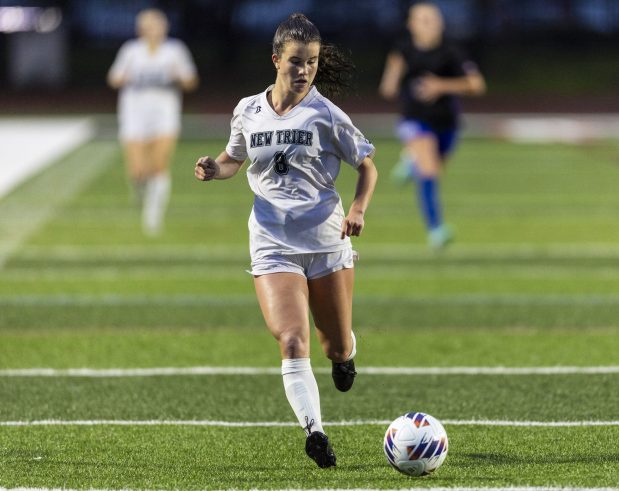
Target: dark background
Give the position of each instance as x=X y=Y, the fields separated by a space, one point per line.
x=537 y=55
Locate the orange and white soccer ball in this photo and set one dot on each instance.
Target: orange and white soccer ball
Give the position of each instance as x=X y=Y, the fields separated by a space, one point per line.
x=416 y=444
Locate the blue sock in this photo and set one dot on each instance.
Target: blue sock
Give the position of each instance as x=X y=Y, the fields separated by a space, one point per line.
x=427 y=193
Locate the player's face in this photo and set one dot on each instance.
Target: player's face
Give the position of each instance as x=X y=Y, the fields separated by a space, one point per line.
x=425 y=22
x=297 y=65
x=152 y=27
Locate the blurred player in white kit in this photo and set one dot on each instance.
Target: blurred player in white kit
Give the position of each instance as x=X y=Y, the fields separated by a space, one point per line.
x=151 y=72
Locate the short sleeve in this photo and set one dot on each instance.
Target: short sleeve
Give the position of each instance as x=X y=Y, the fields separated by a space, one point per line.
x=237 y=147
x=121 y=62
x=186 y=66
x=350 y=144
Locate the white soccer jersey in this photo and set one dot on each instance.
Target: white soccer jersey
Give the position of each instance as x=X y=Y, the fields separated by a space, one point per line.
x=294 y=162
x=149 y=105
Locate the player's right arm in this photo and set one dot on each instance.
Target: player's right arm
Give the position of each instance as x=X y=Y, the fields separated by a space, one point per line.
x=395 y=68
x=223 y=167
x=117 y=76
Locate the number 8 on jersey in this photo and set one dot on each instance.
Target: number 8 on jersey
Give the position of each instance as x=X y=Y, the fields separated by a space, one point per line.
x=281 y=165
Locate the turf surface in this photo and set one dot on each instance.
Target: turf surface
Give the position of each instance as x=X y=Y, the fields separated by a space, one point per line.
x=530 y=282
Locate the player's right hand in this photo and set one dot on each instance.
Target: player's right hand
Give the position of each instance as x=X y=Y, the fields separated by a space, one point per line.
x=206 y=169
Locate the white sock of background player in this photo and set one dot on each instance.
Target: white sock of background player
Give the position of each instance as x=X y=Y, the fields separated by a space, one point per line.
x=156 y=201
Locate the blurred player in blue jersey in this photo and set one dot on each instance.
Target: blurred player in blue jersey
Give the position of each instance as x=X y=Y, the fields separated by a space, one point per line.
x=150 y=73
x=427 y=73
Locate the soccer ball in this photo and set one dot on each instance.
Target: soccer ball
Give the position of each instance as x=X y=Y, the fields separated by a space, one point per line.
x=416 y=444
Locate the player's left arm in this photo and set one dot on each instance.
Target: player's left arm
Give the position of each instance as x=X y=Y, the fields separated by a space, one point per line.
x=430 y=87
x=189 y=84
x=366 y=182
x=186 y=73
x=465 y=79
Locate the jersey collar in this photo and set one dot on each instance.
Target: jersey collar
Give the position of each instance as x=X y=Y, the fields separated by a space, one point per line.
x=311 y=94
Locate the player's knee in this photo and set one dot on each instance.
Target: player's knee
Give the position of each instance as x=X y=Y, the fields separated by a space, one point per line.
x=429 y=170
x=137 y=175
x=337 y=352
x=293 y=344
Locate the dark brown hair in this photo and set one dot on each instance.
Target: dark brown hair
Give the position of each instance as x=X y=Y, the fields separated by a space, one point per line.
x=336 y=70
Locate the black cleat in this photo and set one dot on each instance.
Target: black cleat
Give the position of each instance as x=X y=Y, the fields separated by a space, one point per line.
x=343 y=375
x=317 y=447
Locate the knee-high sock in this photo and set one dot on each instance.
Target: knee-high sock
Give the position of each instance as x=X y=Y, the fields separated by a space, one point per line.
x=302 y=393
x=155 y=202
x=429 y=203
x=353 y=352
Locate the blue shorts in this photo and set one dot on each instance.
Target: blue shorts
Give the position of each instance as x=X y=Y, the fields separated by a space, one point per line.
x=409 y=129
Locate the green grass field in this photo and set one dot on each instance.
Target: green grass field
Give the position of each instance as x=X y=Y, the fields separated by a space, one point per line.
x=530 y=283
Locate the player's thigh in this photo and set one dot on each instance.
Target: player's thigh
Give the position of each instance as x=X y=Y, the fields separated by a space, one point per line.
x=136 y=157
x=330 y=299
x=427 y=157
x=283 y=299
x=162 y=148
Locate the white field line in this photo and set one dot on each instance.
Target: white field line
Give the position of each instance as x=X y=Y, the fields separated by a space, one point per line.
x=459 y=488
x=277 y=424
x=22 y=213
x=28 y=145
x=256 y=371
x=59 y=272
x=181 y=300
x=77 y=253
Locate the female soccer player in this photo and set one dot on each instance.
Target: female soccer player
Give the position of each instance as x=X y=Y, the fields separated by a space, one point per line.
x=427 y=73
x=150 y=72
x=301 y=255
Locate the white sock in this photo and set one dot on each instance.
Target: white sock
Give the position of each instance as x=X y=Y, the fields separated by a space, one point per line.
x=302 y=393
x=353 y=352
x=155 y=203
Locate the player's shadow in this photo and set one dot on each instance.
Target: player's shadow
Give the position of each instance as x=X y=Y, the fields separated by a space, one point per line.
x=502 y=459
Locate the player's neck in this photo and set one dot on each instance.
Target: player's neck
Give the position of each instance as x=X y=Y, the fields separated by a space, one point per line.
x=283 y=101
x=152 y=44
x=426 y=43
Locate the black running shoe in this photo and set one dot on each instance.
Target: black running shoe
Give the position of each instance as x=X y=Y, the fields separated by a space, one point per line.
x=343 y=375
x=317 y=447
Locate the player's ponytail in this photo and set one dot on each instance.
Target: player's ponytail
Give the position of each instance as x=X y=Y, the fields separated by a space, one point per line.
x=336 y=70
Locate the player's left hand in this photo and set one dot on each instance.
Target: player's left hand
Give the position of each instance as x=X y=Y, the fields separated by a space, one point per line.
x=352 y=225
